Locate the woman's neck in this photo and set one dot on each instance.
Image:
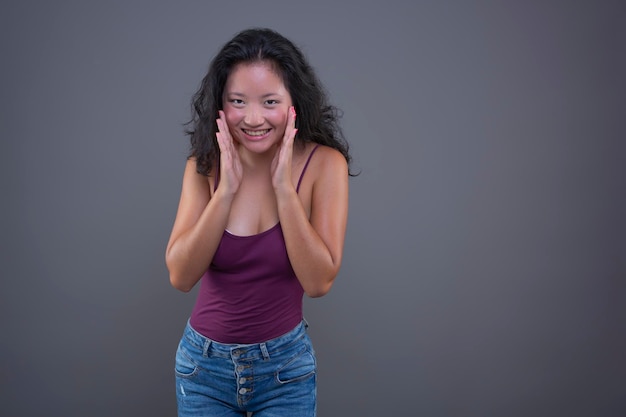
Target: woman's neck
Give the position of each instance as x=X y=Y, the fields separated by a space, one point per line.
x=255 y=162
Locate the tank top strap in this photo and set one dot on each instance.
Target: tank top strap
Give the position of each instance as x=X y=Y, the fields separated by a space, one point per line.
x=305 y=167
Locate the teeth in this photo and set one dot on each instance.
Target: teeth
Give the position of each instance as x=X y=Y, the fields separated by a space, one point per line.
x=256 y=132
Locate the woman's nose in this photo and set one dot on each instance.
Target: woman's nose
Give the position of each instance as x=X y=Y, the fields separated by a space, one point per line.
x=253 y=118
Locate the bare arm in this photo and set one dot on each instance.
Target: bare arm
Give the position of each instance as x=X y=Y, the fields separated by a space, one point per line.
x=315 y=246
x=201 y=218
x=198 y=228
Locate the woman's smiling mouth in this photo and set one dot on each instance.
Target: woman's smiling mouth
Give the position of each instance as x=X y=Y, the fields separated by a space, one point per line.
x=256 y=133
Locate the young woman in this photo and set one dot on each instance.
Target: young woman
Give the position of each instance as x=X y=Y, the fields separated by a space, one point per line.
x=261 y=221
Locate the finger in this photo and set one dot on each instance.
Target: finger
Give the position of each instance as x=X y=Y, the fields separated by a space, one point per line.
x=225 y=139
x=291 y=121
x=291 y=126
x=232 y=143
x=222 y=126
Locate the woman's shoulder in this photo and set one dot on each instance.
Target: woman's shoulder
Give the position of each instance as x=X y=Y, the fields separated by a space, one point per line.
x=328 y=157
x=322 y=161
x=318 y=153
x=194 y=180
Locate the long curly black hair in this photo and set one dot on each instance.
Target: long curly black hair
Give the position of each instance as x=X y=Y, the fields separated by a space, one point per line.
x=317 y=120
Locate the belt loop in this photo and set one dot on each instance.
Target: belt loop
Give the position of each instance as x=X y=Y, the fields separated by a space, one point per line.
x=205 y=348
x=266 y=354
x=306 y=323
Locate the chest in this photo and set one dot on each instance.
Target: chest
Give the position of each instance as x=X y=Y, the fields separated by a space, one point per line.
x=254 y=209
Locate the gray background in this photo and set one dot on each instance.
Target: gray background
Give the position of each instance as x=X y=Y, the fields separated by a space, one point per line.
x=485 y=258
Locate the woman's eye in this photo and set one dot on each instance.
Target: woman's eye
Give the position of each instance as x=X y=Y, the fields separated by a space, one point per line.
x=271 y=102
x=236 y=101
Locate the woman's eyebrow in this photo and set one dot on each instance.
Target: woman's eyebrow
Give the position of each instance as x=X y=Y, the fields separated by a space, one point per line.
x=235 y=93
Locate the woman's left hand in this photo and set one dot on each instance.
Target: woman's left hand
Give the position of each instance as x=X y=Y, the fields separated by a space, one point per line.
x=281 y=164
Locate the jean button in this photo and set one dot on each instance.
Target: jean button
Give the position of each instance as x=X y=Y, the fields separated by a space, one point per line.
x=240 y=368
x=242 y=391
x=242 y=380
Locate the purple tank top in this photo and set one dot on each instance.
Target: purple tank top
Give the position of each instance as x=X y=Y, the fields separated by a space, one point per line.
x=250 y=292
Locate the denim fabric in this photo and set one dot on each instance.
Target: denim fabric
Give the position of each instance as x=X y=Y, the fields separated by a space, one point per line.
x=276 y=378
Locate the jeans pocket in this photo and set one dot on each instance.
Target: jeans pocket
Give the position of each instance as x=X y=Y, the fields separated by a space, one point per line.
x=298 y=367
x=185 y=366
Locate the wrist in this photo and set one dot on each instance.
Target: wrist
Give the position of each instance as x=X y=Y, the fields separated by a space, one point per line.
x=223 y=196
x=285 y=191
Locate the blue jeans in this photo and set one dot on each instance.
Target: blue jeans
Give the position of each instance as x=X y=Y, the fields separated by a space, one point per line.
x=276 y=378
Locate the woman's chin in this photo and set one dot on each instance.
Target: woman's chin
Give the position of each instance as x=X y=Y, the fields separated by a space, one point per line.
x=259 y=147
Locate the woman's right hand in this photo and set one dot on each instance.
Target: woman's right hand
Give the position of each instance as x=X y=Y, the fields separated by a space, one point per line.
x=231 y=171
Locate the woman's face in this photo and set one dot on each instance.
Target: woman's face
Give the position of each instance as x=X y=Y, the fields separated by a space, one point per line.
x=256 y=105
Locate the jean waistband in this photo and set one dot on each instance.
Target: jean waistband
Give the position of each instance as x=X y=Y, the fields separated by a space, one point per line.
x=264 y=349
